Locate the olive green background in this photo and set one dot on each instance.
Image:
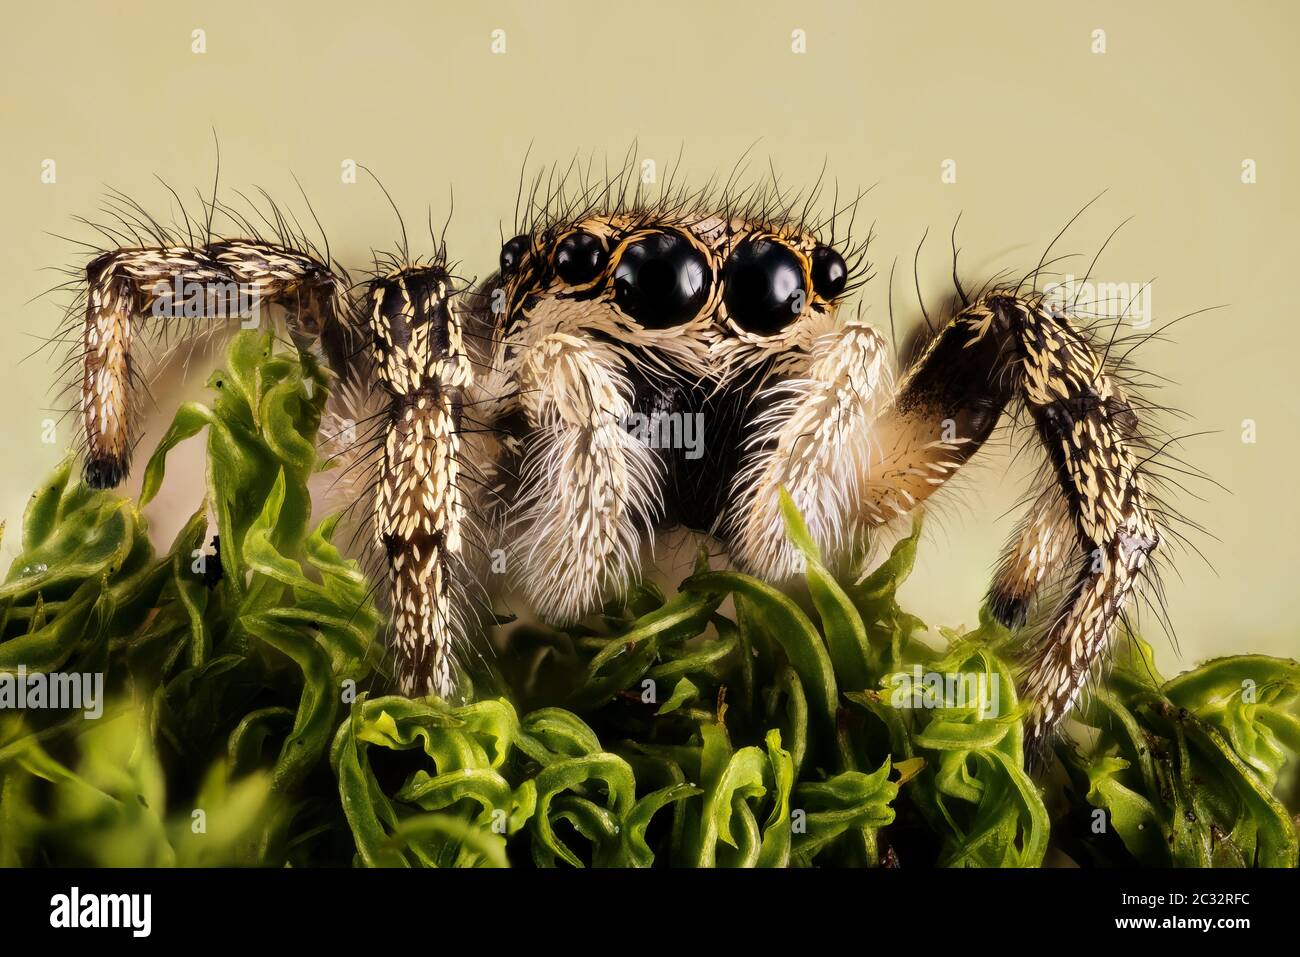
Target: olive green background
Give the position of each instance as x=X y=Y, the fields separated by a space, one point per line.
x=1036 y=122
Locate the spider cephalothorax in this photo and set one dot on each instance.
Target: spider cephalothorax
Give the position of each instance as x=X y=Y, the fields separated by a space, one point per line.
x=631 y=368
x=673 y=321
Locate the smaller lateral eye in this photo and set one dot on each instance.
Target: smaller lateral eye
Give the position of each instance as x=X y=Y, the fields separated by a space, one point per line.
x=829 y=273
x=513 y=253
x=579 y=258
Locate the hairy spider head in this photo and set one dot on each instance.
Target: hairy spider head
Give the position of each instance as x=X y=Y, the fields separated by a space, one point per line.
x=415 y=330
x=710 y=294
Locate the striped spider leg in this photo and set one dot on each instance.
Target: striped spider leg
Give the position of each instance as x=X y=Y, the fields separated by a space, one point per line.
x=430 y=495
x=1095 y=523
x=134 y=290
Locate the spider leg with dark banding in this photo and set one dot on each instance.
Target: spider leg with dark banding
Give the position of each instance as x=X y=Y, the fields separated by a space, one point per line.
x=1011 y=347
x=131 y=289
x=420 y=515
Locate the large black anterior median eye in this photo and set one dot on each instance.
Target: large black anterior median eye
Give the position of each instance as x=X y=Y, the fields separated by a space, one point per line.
x=829 y=273
x=763 y=286
x=579 y=257
x=661 y=281
x=513 y=253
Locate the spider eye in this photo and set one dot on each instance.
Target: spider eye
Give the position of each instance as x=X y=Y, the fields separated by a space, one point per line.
x=661 y=281
x=579 y=258
x=513 y=253
x=829 y=273
x=763 y=286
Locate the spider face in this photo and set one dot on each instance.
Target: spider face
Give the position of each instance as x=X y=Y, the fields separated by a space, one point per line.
x=680 y=324
x=712 y=296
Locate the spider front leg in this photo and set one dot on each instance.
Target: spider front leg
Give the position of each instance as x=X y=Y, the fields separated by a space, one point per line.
x=420 y=516
x=129 y=290
x=1004 y=347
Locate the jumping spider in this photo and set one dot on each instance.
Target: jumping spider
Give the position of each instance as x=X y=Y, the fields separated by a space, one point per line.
x=507 y=407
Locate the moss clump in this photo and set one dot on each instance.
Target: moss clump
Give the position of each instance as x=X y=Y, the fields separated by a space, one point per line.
x=240 y=728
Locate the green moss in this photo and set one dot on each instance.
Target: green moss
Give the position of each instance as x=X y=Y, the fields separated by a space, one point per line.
x=665 y=732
